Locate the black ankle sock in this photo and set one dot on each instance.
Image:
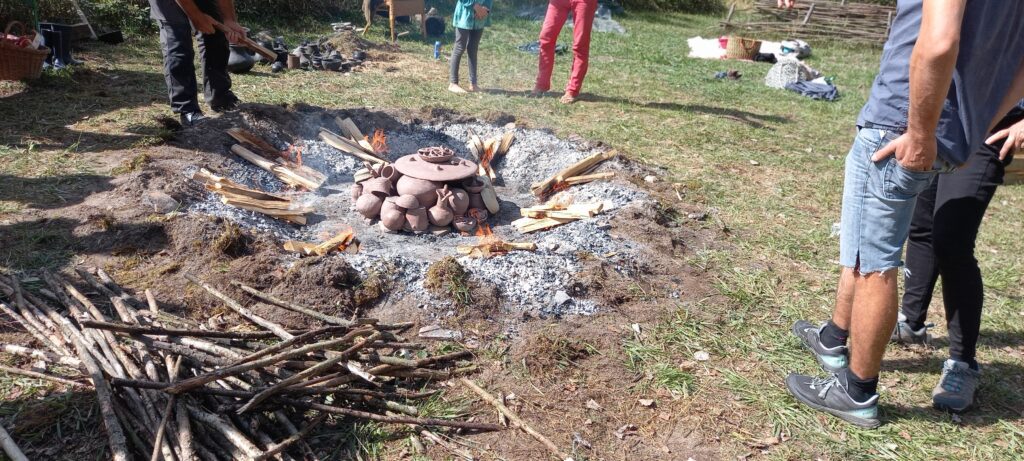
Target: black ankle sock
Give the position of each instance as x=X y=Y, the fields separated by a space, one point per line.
x=833 y=336
x=970 y=361
x=860 y=389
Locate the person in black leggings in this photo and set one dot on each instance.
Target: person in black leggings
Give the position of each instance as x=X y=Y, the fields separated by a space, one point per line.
x=942 y=239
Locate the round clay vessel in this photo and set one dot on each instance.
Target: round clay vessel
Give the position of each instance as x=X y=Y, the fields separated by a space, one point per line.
x=417 y=219
x=357 y=190
x=377 y=186
x=407 y=202
x=476 y=201
x=473 y=185
x=464 y=224
x=240 y=60
x=391 y=217
x=369 y=205
x=459 y=201
x=423 y=190
x=440 y=214
x=387 y=171
x=332 y=64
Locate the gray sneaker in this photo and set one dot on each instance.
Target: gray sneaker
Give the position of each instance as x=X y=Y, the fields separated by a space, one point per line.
x=903 y=334
x=832 y=359
x=957 y=386
x=830 y=395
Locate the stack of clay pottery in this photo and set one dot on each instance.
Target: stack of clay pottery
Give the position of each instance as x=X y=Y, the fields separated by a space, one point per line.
x=429 y=188
x=321 y=55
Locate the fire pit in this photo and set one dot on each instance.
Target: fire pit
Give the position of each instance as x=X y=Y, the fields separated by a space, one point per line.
x=535 y=276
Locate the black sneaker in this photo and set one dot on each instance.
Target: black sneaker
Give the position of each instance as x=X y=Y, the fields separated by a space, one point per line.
x=832 y=359
x=904 y=334
x=192 y=119
x=225 y=106
x=830 y=395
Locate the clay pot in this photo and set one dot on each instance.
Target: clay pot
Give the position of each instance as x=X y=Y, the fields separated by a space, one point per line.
x=369 y=205
x=464 y=224
x=378 y=186
x=357 y=190
x=458 y=201
x=277 y=67
x=476 y=201
x=332 y=65
x=407 y=202
x=425 y=191
x=387 y=171
x=391 y=216
x=240 y=60
x=441 y=214
x=417 y=219
x=473 y=186
x=359 y=55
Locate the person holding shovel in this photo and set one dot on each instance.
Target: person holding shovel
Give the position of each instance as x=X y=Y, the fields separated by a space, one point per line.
x=583 y=12
x=177 y=20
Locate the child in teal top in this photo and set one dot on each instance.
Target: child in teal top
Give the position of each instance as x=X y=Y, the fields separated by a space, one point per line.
x=469 y=20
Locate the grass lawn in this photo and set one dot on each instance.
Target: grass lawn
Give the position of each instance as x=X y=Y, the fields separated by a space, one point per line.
x=765 y=163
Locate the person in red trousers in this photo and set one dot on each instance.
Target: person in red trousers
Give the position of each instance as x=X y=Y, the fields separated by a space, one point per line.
x=583 y=21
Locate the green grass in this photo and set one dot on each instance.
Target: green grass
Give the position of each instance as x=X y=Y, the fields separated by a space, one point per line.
x=645 y=97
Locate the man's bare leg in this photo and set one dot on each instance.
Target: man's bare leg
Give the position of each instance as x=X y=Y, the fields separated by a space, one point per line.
x=844 y=298
x=872 y=319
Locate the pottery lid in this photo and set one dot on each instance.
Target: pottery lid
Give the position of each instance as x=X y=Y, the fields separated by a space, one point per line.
x=407 y=201
x=453 y=169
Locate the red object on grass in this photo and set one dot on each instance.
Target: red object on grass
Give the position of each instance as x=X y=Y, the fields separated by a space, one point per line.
x=723 y=41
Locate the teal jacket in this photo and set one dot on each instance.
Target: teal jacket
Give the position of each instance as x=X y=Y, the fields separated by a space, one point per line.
x=463 y=17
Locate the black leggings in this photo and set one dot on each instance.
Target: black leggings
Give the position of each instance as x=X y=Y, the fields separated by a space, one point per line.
x=465 y=40
x=942 y=237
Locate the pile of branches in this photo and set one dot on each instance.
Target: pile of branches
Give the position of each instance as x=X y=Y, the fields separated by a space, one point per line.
x=170 y=389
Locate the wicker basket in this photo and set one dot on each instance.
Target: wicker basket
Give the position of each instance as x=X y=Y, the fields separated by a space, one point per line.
x=742 y=48
x=17 y=63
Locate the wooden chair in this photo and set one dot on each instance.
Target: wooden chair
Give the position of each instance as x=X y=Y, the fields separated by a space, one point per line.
x=397 y=8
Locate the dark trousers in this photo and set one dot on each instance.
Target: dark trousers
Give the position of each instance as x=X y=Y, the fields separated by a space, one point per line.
x=180 y=70
x=942 y=236
x=466 y=40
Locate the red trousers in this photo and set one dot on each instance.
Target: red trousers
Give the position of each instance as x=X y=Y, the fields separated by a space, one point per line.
x=583 y=21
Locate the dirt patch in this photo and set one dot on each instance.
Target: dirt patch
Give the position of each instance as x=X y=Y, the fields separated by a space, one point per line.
x=449 y=280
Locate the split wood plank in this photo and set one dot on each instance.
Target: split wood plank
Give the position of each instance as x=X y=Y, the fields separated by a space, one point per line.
x=349 y=128
x=543 y=188
x=285 y=174
x=583 y=179
x=348 y=147
x=11 y=448
x=339 y=242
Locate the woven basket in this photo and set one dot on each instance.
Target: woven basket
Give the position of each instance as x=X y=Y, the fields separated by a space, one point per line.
x=17 y=63
x=742 y=48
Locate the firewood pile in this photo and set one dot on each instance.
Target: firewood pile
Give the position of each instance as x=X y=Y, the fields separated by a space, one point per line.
x=852 y=21
x=170 y=388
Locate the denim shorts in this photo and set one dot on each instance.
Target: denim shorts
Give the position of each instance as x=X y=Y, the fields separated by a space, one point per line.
x=878 y=204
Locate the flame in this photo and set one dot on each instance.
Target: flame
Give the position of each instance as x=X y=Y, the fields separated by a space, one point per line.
x=485 y=158
x=379 y=142
x=295 y=154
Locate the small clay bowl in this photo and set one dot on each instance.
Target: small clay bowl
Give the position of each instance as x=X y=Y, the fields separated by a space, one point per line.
x=332 y=65
x=407 y=201
x=464 y=224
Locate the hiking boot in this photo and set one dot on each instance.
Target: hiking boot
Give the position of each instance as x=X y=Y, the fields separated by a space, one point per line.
x=904 y=334
x=832 y=359
x=957 y=386
x=830 y=395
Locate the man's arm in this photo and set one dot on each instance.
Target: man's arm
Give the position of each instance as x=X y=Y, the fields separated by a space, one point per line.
x=931 y=72
x=235 y=30
x=201 y=21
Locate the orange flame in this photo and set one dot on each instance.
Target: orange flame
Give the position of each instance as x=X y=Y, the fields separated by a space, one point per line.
x=379 y=142
x=486 y=157
x=295 y=154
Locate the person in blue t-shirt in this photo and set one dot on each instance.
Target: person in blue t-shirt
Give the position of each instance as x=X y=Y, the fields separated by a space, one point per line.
x=470 y=19
x=948 y=72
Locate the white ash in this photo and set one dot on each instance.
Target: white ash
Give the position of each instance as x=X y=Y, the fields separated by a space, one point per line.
x=534 y=282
